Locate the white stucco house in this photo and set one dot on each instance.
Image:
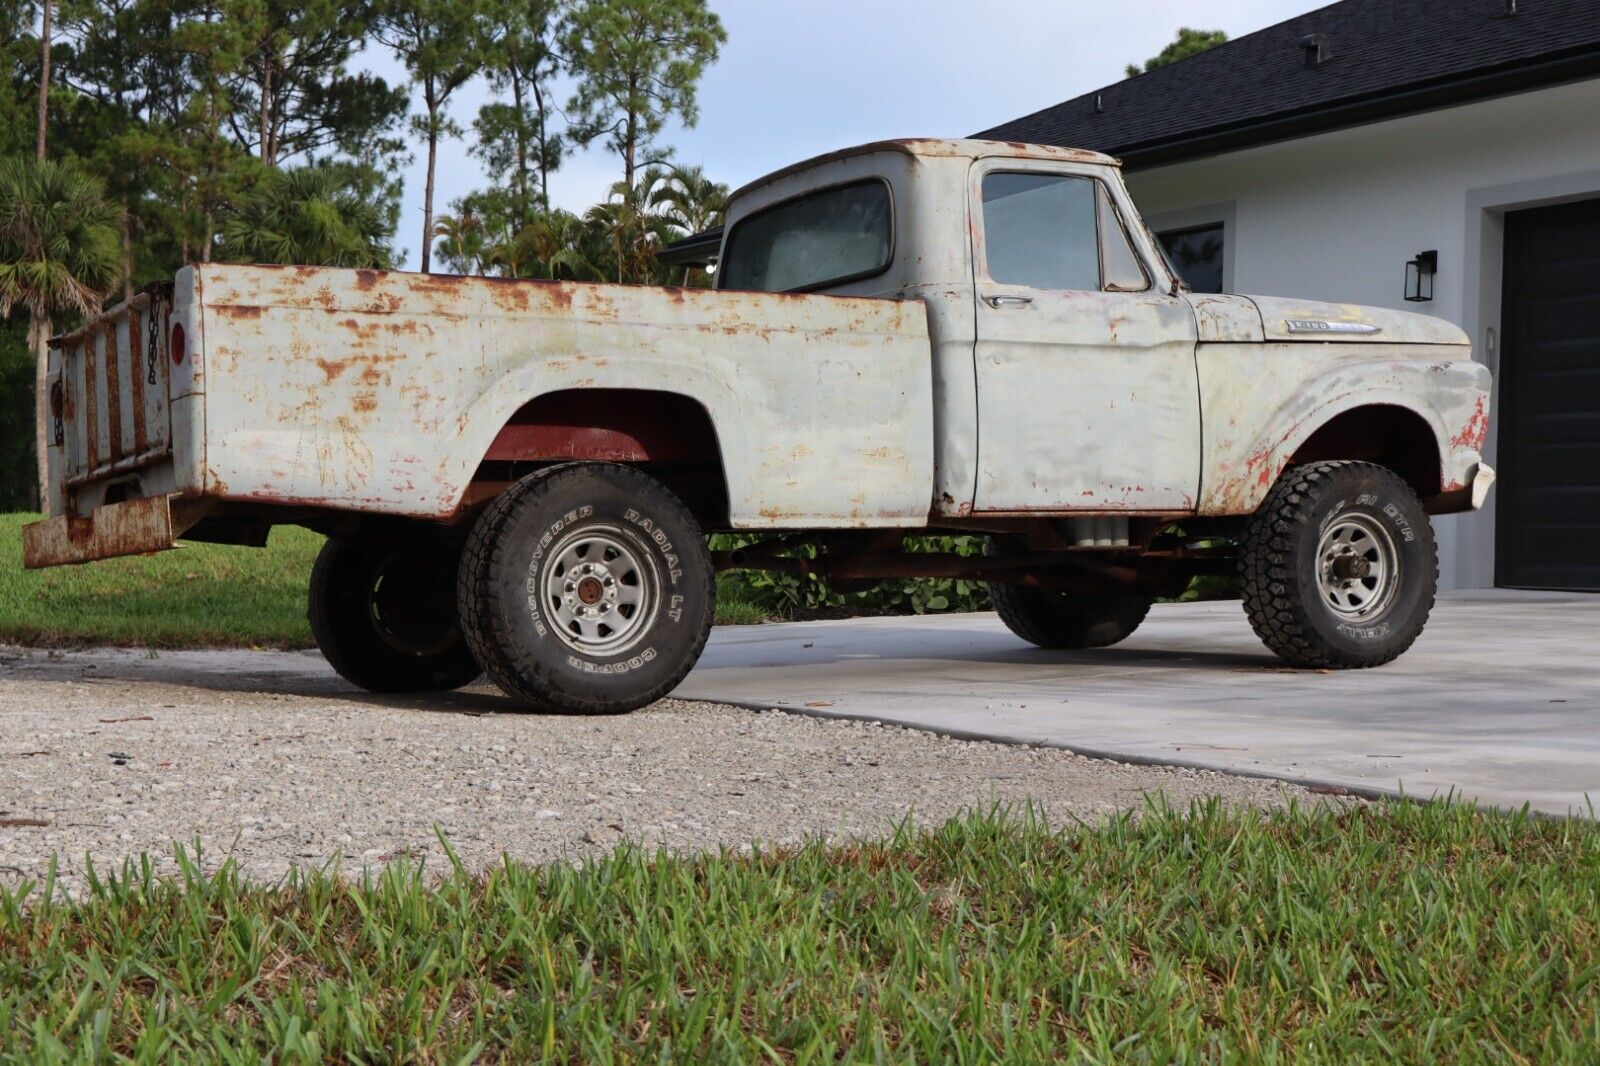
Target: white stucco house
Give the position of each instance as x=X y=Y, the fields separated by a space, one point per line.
x=1321 y=156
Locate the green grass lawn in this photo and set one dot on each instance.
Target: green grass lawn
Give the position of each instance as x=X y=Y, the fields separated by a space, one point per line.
x=1391 y=933
x=201 y=595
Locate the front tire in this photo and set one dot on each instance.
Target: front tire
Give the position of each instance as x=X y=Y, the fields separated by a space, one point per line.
x=383 y=613
x=1338 y=566
x=586 y=589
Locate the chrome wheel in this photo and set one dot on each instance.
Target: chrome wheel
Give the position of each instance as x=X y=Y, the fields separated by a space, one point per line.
x=598 y=589
x=1358 y=568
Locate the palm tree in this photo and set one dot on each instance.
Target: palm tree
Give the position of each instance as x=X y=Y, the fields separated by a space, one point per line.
x=313 y=215
x=464 y=245
x=60 y=251
x=691 y=201
x=633 y=225
x=550 y=246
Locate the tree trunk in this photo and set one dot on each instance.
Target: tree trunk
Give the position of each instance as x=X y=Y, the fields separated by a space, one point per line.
x=627 y=152
x=268 y=152
x=522 y=150
x=127 y=253
x=38 y=336
x=544 y=144
x=44 y=78
x=427 y=195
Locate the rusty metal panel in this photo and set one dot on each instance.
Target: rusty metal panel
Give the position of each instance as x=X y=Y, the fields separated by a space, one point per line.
x=136 y=382
x=932 y=263
x=1087 y=400
x=1223 y=319
x=112 y=359
x=1262 y=402
x=384 y=391
x=960 y=150
x=91 y=403
x=130 y=528
x=113 y=408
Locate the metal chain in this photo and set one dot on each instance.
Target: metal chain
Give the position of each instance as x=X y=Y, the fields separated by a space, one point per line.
x=155 y=339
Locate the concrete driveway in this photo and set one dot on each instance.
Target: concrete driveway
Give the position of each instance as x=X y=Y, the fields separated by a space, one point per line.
x=1499 y=701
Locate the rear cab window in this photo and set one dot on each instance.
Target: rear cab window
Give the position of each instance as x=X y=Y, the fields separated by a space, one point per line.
x=1059 y=232
x=815 y=241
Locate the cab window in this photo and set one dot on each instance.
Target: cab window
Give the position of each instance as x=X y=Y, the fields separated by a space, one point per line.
x=1056 y=231
x=814 y=241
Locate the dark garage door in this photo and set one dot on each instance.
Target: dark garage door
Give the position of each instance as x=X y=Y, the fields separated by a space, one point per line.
x=1548 y=515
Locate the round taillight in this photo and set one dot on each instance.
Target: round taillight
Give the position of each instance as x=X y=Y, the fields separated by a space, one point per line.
x=58 y=399
x=177 y=343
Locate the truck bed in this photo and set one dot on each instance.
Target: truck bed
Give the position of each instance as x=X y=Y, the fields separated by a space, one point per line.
x=385 y=392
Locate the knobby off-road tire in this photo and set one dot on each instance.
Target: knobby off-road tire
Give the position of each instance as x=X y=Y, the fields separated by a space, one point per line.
x=586 y=589
x=383 y=613
x=1051 y=619
x=1338 y=566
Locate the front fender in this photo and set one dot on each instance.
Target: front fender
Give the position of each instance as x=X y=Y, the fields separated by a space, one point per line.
x=1262 y=402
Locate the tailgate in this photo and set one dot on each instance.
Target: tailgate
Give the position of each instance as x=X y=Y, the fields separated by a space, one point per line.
x=108 y=393
x=109 y=440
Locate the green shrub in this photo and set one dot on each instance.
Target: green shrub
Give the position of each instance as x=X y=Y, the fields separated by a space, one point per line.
x=787 y=595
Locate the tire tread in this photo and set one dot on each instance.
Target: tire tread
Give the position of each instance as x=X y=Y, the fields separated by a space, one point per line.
x=481 y=599
x=1265 y=569
x=383 y=673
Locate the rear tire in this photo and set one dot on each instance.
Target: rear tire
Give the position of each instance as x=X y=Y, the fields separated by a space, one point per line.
x=1050 y=619
x=1338 y=566
x=586 y=589
x=383 y=613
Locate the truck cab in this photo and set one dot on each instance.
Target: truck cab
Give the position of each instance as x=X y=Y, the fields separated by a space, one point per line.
x=1052 y=309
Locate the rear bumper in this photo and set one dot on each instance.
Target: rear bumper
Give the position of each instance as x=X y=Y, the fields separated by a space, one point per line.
x=133 y=527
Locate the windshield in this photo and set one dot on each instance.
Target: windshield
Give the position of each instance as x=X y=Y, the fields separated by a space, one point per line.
x=811 y=242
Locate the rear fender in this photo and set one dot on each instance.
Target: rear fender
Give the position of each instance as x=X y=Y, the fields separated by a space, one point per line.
x=484 y=421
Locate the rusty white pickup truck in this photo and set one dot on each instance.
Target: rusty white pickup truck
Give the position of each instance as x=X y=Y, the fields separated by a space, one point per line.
x=907 y=337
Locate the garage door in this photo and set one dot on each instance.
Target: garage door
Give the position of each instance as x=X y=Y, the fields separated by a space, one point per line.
x=1548 y=517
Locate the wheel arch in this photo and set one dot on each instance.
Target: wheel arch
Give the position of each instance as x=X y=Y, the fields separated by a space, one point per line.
x=1387 y=434
x=671 y=434
x=1384 y=426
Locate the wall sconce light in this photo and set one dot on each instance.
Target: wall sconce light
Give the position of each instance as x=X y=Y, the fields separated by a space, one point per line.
x=1419 y=277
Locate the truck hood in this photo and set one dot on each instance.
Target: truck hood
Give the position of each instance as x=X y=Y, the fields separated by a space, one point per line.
x=1309 y=320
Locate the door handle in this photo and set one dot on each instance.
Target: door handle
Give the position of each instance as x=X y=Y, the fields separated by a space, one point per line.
x=1008 y=301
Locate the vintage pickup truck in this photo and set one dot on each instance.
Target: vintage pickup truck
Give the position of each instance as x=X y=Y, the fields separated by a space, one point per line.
x=906 y=337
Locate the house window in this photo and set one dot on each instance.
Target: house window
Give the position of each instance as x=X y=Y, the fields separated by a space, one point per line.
x=1196 y=254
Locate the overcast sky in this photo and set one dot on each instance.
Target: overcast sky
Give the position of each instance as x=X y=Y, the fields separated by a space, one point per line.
x=806 y=76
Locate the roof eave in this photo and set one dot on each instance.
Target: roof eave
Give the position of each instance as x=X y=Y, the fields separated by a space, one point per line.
x=1343 y=114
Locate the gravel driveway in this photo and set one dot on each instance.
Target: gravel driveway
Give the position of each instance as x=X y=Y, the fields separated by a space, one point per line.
x=270 y=758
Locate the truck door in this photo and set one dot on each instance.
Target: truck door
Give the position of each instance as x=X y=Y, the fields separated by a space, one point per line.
x=1088 y=396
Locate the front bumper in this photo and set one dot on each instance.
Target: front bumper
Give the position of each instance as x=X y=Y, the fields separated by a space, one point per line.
x=1482 y=481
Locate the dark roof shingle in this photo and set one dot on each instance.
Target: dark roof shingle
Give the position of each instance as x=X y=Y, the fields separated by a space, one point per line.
x=1388 y=57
